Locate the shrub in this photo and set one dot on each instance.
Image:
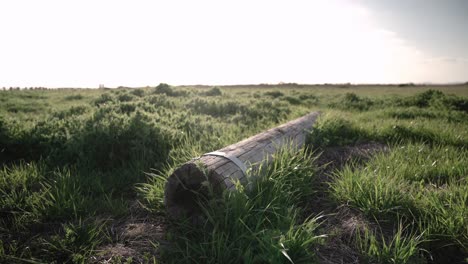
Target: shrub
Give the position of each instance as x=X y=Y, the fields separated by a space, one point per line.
x=74 y=110
x=351 y=101
x=434 y=99
x=160 y=100
x=425 y=99
x=104 y=99
x=216 y=109
x=169 y=91
x=215 y=91
x=74 y=97
x=164 y=88
x=21 y=108
x=335 y=131
x=127 y=108
x=109 y=141
x=274 y=94
x=125 y=97
x=138 y=92
x=451 y=103
x=292 y=100
x=406 y=85
x=308 y=96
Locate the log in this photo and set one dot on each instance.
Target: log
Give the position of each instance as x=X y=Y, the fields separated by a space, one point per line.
x=221 y=168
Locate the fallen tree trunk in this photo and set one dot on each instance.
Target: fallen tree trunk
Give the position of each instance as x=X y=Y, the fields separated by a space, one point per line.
x=221 y=168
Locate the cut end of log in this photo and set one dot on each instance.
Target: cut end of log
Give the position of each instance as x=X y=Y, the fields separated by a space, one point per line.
x=179 y=193
x=184 y=188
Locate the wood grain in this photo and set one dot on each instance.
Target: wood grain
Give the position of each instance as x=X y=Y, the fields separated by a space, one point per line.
x=220 y=173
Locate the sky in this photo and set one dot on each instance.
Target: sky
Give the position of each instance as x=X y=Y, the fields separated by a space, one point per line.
x=56 y=43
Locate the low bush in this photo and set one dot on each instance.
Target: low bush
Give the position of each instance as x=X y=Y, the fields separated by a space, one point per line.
x=138 y=92
x=434 y=99
x=125 y=97
x=104 y=98
x=335 y=132
x=351 y=101
x=72 y=111
x=274 y=94
x=292 y=100
x=215 y=91
x=164 y=88
x=74 y=97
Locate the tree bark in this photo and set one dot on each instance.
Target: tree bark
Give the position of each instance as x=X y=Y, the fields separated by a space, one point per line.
x=220 y=169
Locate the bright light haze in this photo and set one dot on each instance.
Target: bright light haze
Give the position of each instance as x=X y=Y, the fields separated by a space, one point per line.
x=137 y=43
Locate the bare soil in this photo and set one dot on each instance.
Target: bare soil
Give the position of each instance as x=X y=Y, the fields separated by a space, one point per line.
x=339 y=222
x=136 y=236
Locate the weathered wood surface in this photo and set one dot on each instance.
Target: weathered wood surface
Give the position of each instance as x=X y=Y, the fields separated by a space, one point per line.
x=221 y=172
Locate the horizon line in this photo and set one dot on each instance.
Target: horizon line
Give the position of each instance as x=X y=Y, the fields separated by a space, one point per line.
x=101 y=86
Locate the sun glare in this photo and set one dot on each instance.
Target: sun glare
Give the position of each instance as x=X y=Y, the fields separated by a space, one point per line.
x=86 y=43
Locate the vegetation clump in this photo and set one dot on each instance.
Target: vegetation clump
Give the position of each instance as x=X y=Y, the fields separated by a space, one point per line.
x=77 y=166
x=274 y=94
x=351 y=101
x=215 y=91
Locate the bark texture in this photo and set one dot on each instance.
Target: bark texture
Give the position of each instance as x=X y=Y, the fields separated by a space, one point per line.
x=223 y=167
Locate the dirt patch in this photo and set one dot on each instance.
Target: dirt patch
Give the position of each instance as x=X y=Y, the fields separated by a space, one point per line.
x=137 y=236
x=334 y=158
x=340 y=222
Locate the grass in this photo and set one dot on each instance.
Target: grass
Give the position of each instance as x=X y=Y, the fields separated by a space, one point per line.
x=73 y=161
x=402 y=246
x=420 y=182
x=260 y=222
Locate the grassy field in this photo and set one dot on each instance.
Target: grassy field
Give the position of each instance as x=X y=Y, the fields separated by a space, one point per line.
x=383 y=178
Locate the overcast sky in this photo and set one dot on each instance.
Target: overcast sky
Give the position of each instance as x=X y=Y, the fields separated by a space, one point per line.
x=137 y=43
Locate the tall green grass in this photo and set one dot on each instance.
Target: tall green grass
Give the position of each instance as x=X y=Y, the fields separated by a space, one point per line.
x=403 y=246
x=71 y=157
x=426 y=185
x=419 y=184
x=260 y=222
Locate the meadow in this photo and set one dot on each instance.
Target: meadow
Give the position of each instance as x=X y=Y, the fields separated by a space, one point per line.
x=383 y=178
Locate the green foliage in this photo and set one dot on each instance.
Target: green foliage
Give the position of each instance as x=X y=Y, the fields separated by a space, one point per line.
x=78 y=154
x=76 y=242
x=166 y=89
x=274 y=94
x=255 y=111
x=104 y=99
x=427 y=185
x=351 y=101
x=258 y=223
x=138 y=92
x=292 y=100
x=438 y=100
x=426 y=98
x=337 y=128
x=62 y=197
x=163 y=88
x=109 y=140
x=215 y=91
x=125 y=97
x=335 y=131
x=21 y=192
x=401 y=247
x=74 y=97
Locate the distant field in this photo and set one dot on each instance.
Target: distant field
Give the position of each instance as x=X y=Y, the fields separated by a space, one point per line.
x=383 y=178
